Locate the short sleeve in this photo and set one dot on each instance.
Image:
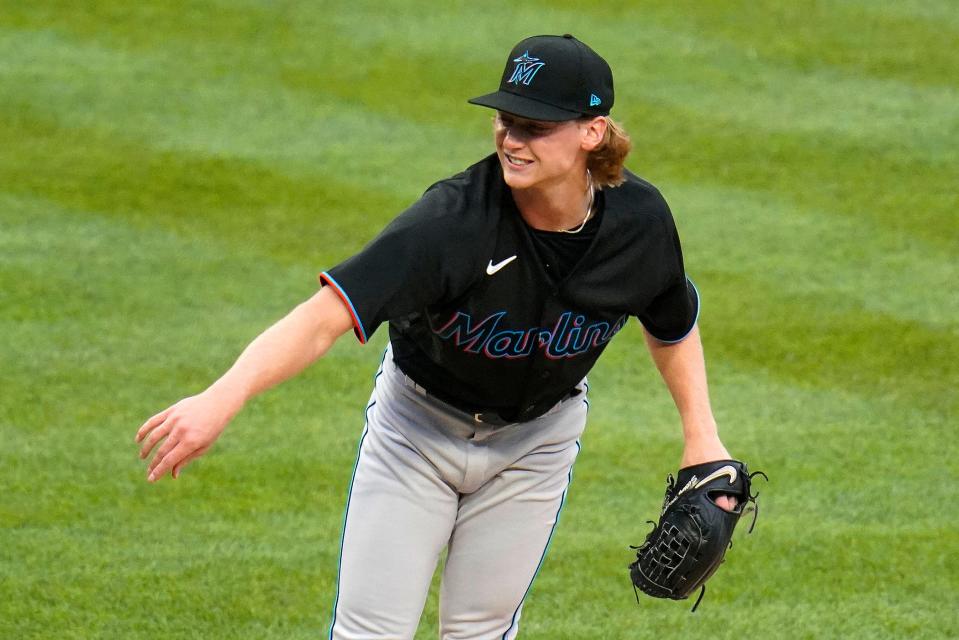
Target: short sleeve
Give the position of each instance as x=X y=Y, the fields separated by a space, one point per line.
x=674 y=311
x=405 y=268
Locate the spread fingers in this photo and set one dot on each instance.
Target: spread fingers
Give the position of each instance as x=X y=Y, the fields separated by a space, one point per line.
x=163 y=464
x=152 y=422
x=155 y=436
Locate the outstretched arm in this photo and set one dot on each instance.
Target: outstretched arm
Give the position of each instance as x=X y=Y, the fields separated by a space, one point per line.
x=189 y=427
x=683 y=368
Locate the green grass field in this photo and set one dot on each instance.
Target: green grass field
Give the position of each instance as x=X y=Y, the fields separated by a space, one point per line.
x=174 y=175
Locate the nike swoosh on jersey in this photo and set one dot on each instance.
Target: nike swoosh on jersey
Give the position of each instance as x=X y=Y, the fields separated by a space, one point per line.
x=718 y=473
x=493 y=268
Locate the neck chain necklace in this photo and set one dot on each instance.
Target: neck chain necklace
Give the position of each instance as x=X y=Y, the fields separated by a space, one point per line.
x=589 y=206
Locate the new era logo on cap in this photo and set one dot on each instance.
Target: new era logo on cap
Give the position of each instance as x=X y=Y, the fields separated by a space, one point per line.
x=594 y=100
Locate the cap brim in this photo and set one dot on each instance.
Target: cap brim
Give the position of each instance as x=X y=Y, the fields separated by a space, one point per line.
x=524 y=107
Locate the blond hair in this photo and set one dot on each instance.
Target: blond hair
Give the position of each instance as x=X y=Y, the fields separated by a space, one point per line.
x=605 y=162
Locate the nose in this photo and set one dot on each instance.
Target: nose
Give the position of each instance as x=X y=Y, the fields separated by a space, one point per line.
x=510 y=139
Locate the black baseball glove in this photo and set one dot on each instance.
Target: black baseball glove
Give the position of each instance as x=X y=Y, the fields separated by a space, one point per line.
x=688 y=544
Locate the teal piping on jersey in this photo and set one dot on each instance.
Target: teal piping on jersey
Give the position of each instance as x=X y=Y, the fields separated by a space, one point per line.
x=358 y=329
x=562 y=502
x=695 y=320
x=346 y=512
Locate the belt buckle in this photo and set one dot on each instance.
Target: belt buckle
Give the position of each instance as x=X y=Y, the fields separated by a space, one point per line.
x=490 y=418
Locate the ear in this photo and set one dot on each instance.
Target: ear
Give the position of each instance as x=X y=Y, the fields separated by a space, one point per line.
x=593 y=130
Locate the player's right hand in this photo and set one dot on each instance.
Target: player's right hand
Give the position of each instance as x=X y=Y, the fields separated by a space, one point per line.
x=187 y=430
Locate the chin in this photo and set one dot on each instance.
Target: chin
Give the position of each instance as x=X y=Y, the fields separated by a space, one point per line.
x=516 y=182
x=516 y=179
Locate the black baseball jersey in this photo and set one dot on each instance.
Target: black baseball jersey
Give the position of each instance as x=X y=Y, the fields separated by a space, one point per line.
x=479 y=320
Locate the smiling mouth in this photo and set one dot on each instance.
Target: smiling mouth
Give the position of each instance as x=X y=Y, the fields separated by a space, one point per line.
x=517 y=162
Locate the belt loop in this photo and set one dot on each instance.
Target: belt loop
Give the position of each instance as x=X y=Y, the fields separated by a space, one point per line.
x=409 y=382
x=412 y=384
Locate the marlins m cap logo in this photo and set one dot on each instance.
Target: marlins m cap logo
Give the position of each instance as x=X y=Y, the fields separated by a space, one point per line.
x=526 y=68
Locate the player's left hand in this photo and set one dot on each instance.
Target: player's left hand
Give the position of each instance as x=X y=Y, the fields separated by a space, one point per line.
x=692 y=536
x=726 y=502
x=706 y=449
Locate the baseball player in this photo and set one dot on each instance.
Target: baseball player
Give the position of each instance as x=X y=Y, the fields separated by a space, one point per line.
x=501 y=287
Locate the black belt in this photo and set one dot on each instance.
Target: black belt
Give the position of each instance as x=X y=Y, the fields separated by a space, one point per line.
x=495 y=419
x=484 y=416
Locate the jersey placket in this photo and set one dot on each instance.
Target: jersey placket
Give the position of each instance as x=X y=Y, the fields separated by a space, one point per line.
x=540 y=370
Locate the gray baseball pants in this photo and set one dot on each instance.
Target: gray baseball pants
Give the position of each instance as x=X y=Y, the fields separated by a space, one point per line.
x=429 y=476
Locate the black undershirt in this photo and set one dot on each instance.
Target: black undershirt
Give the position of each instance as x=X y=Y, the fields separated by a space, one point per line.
x=559 y=251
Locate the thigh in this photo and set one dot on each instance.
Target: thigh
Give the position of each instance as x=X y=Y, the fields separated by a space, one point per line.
x=399 y=516
x=500 y=540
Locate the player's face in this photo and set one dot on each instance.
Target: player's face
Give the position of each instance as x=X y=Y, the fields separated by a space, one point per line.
x=538 y=153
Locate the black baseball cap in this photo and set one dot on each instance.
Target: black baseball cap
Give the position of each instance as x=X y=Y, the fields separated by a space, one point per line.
x=553 y=78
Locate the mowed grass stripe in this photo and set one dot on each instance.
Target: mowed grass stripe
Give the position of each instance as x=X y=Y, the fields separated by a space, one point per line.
x=822 y=341
x=815 y=252
x=279 y=598
x=824 y=173
x=295 y=220
x=819 y=99
x=207 y=109
x=100 y=287
x=303 y=48
x=926 y=14
x=878 y=114
x=911 y=42
x=904 y=195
